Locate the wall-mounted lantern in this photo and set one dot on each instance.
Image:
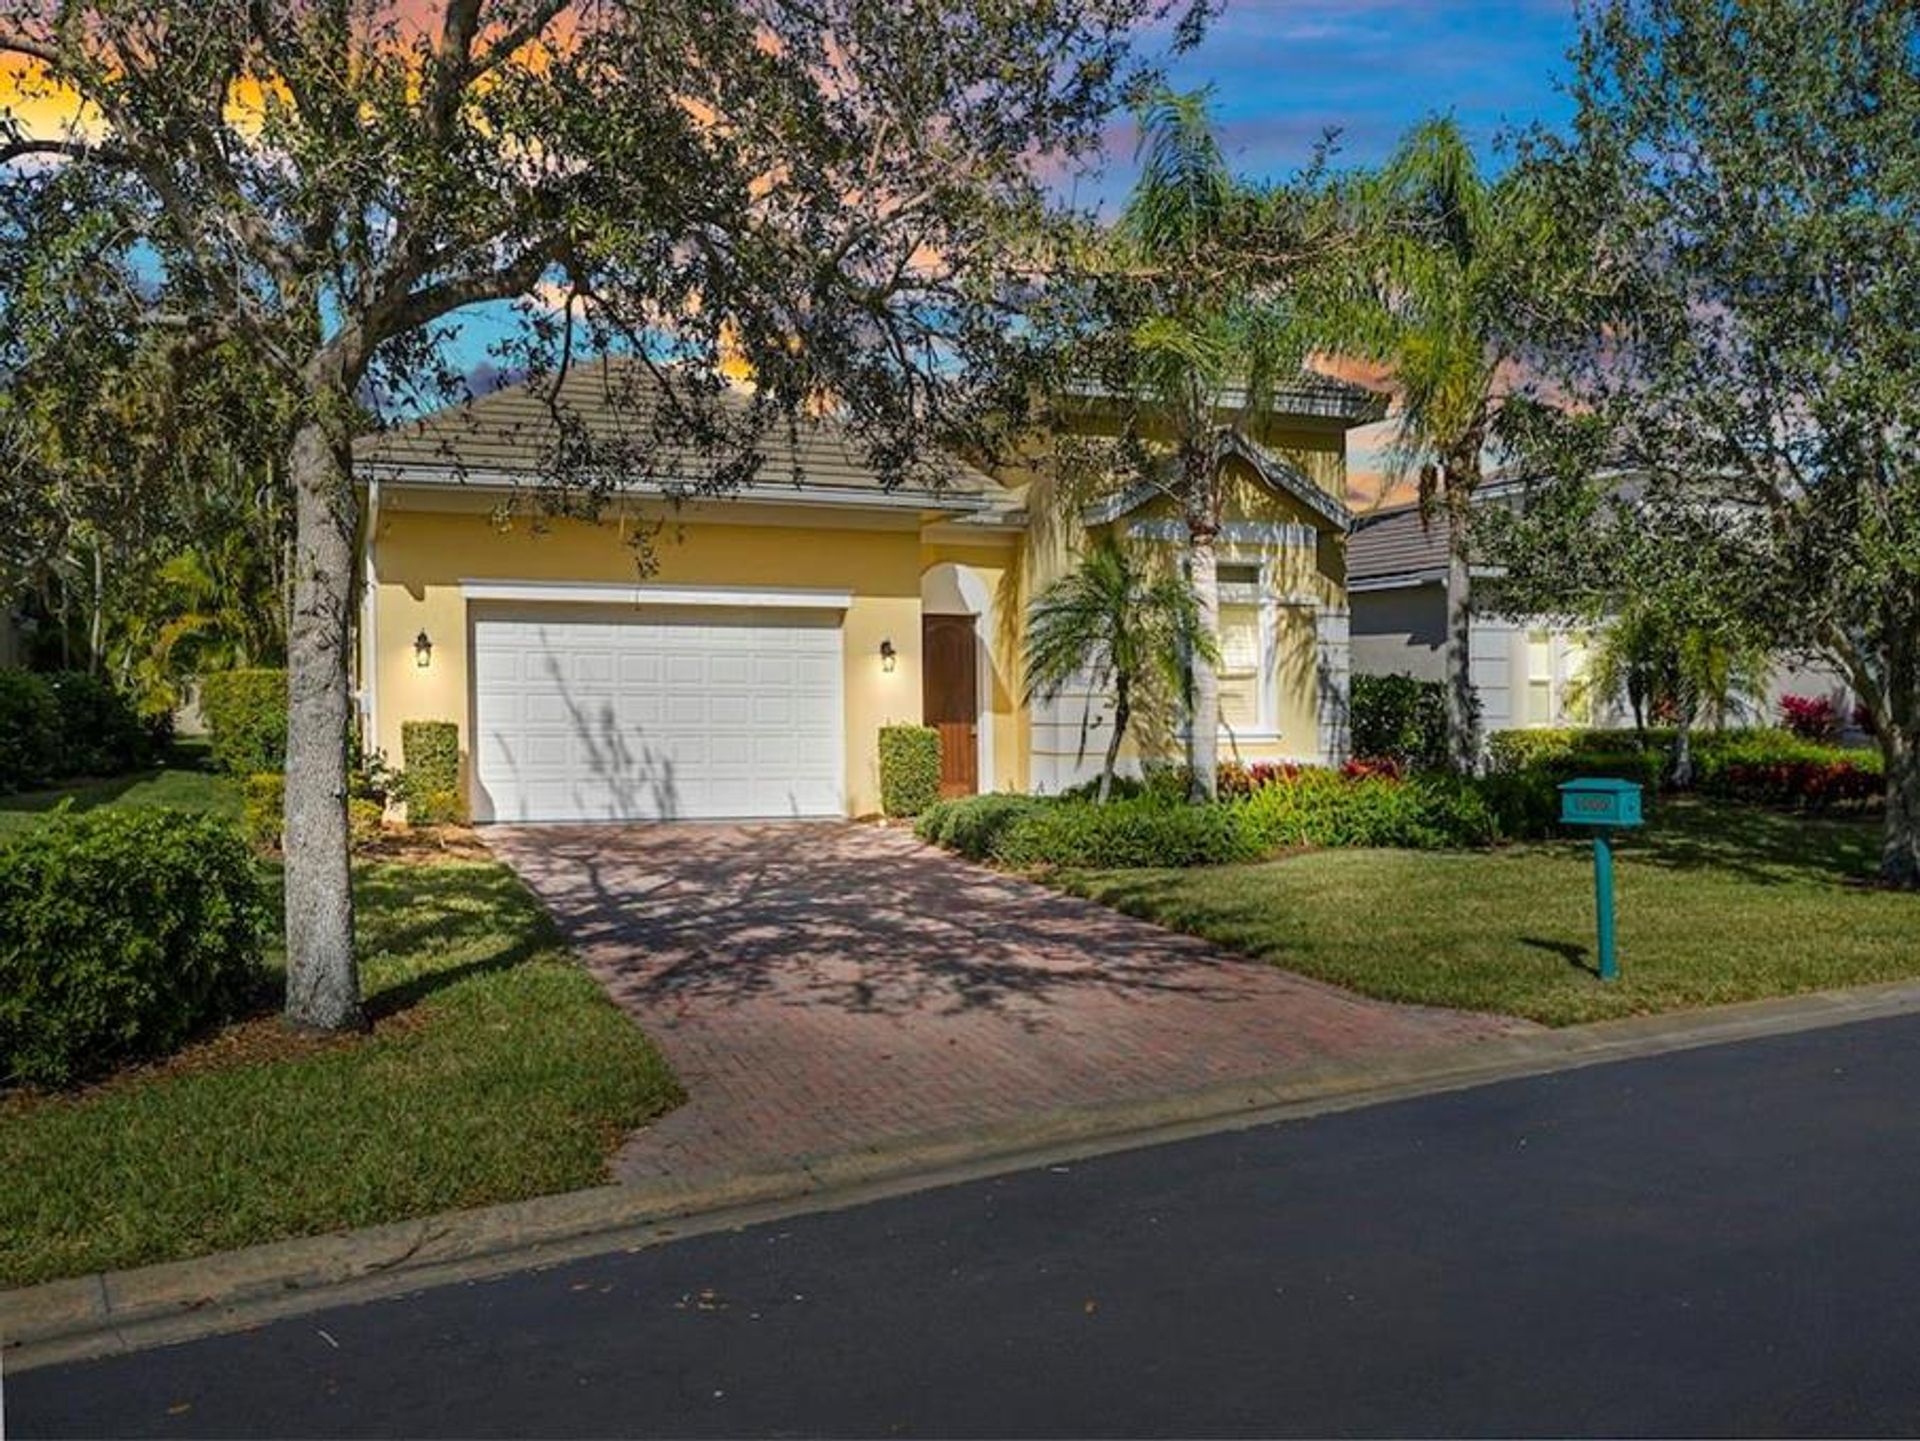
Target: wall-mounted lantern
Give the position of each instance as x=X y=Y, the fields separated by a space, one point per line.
x=888 y=656
x=422 y=651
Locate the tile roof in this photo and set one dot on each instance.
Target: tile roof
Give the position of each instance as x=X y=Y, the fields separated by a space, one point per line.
x=507 y=436
x=1396 y=544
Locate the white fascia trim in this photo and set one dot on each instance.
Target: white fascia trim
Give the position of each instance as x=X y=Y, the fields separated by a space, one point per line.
x=1405 y=580
x=616 y=593
x=370 y=625
x=443 y=477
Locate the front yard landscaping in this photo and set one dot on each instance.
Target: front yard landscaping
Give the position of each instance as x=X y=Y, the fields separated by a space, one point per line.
x=496 y=1070
x=183 y=779
x=1719 y=902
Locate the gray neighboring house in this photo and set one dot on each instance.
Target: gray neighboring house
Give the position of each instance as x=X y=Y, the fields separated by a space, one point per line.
x=1527 y=672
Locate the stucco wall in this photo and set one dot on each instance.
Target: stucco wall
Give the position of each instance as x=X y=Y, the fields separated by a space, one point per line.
x=421 y=557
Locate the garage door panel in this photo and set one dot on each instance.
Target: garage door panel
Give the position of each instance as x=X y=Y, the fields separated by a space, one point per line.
x=689 y=715
x=640 y=669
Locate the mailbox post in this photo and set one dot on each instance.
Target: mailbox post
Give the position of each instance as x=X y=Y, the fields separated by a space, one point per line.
x=1601 y=805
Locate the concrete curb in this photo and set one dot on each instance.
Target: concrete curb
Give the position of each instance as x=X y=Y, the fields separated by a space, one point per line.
x=119 y=1311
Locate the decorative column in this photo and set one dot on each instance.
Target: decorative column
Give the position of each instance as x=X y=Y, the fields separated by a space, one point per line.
x=1334 y=689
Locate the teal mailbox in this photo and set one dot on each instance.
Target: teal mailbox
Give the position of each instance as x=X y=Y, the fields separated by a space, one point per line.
x=1600 y=804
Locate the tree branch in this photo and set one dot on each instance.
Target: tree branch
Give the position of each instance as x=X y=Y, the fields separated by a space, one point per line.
x=67 y=149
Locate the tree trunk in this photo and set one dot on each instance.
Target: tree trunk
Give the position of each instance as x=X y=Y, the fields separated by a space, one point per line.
x=97 y=623
x=1203 y=719
x=1463 y=739
x=1900 y=834
x=1680 y=758
x=323 y=986
x=1122 y=714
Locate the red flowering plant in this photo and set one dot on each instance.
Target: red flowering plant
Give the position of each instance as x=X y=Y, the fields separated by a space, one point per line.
x=1241 y=779
x=1811 y=717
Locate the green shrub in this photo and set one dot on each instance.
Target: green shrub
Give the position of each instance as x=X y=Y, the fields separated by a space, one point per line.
x=430 y=778
x=1525 y=804
x=369 y=777
x=1124 y=788
x=1398 y=718
x=366 y=821
x=122 y=932
x=1776 y=767
x=1144 y=831
x=1725 y=762
x=263 y=813
x=909 y=769
x=246 y=715
x=972 y=825
x=29 y=730
x=100 y=733
x=436 y=808
x=263 y=804
x=931 y=824
x=1326 y=808
x=1512 y=751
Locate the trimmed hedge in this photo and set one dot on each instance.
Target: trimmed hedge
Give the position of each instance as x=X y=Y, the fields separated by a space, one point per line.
x=29 y=730
x=430 y=761
x=1145 y=831
x=909 y=769
x=1400 y=719
x=1768 y=766
x=972 y=825
x=246 y=715
x=122 y=932
x=1779 y=768
x=1293 y=808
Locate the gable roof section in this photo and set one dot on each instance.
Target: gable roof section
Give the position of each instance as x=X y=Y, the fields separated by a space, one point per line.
x=502 y=438
x=1274 y=471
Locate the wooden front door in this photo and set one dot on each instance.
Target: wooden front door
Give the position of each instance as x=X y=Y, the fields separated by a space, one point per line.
x=950 y=699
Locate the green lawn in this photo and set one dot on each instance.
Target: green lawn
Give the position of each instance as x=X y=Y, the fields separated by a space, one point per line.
x=496 y=1070
x=183 y=780
x=1716 y=904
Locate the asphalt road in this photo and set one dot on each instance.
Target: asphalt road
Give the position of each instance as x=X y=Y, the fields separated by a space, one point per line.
x=1720 y=1242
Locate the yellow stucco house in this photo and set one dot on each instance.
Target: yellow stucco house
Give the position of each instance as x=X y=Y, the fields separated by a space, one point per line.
x=747 y=671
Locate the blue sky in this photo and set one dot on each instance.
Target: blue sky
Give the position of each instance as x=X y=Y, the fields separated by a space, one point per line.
x=1285 y=70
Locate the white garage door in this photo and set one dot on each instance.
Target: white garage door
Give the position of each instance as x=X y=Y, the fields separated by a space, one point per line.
x=658 y=715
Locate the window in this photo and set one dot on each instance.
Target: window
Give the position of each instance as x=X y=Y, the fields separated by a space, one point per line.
x=1539 y=678
x=1240 y=667
x=1236 y=573
x=1576 y=694
x=1557 y=690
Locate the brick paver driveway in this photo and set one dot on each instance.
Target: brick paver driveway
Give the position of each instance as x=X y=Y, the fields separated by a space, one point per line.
x=821 y=987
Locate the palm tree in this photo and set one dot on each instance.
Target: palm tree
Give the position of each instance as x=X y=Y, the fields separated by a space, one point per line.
x=1194 y=288
x=1448 y=253
x=1681 y=662
x=1119 y=625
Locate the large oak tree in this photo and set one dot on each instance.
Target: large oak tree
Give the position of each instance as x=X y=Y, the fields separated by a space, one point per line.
x=820 y=189
x=1747 y=345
